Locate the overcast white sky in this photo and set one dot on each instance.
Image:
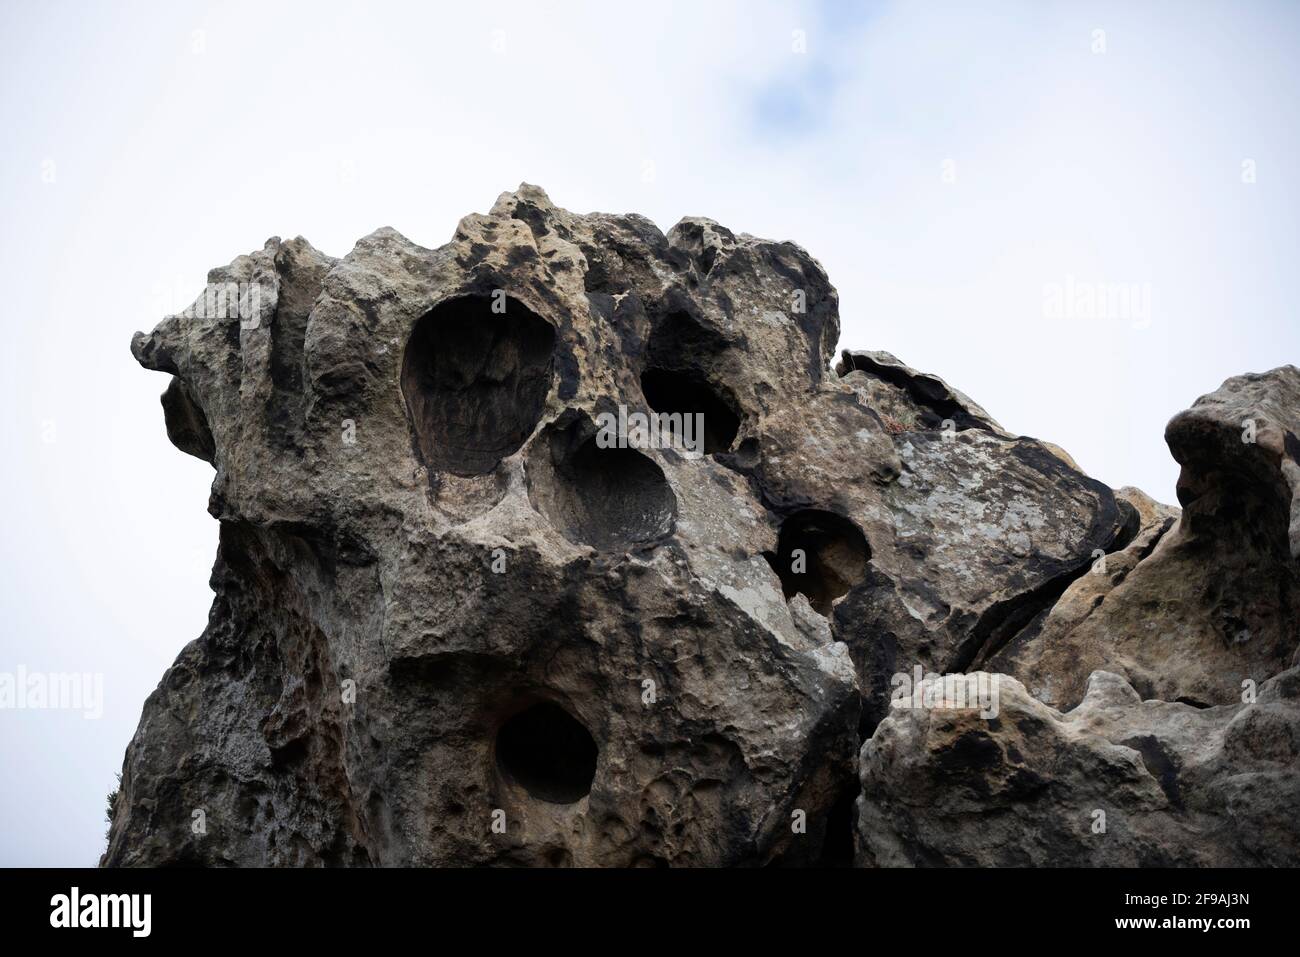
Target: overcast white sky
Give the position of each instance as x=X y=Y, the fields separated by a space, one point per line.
x=949 y=167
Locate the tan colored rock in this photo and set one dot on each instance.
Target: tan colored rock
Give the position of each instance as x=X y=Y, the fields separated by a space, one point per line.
x=1190 y=610
x=455 y=624
x=449 y=626
x=1115 y=782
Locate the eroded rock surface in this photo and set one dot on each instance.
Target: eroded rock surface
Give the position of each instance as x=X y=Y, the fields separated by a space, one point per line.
x=453 y=624
x=450 y=628
x=1117 y=781
x=1197 y=606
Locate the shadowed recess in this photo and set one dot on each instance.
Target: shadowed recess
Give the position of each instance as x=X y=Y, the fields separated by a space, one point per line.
x=820 y=555
x=475 y=382
x=935 y=400
x=683 y=392
x=837 y=843
x=610 y=498
x=547 y=752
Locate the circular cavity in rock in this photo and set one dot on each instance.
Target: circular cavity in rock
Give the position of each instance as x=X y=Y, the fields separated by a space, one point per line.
x=675 y=393
x=609 y=498
x=680 y=339
x=547 y=752
x=475 y=382
x=820 y=555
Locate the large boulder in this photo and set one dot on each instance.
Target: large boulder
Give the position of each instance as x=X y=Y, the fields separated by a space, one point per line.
x=980 y=531
x=1150 y=714
x=450 y=626
x=563 y=543
x=1117 y=781
x=1200 y=605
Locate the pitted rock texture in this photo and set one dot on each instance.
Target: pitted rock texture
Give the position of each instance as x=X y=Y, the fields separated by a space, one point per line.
x=1196 y=605
x=1117 y=782
x=452 y=626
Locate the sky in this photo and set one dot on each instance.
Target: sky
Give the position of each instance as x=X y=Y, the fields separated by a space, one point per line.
x=1077 y=213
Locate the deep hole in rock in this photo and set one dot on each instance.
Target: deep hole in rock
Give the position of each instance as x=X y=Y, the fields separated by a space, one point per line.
x=671 y=392
x=821 y=555
x=548 y=753
x=475 y=382
x=837 y=843
x=679 y=337
x=609 y=498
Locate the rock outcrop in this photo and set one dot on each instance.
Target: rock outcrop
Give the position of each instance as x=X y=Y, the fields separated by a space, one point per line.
x=1194 y=608
x=563 y=544
x=1116 y=782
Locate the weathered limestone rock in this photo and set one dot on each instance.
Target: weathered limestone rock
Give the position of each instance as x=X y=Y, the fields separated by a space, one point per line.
x=1200 y=609
x=461 y=619
x=981 y=532
x=911 y=401
x=443 y=611
x=1117 y=781
x=1191 y=610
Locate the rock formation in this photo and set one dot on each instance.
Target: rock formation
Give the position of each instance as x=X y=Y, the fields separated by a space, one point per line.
x=1117 y=781
x=461 y=619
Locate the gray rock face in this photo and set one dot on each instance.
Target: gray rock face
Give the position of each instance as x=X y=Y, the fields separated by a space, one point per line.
x=1200 y=613
x=562 y=544
x=980 y=532
x=450 y=627
x=1116 y=782
x=1194 y=607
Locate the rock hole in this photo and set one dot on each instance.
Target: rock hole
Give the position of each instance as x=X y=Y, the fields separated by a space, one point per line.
x=820 y=555
x=609 y=498
x=679 y=338
x=838 y=847
x=559 y=857
x=1159 y=764
x=670 y=392
x=547 y=752
x=475 y=382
